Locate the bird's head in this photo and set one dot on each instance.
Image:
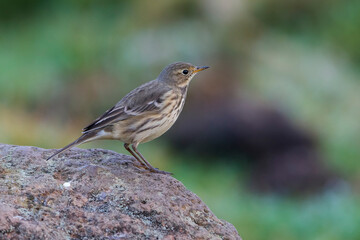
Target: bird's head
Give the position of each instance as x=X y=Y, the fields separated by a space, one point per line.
x=179 y=73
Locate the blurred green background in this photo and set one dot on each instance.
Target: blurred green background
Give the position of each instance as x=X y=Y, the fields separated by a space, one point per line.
x=63 y=63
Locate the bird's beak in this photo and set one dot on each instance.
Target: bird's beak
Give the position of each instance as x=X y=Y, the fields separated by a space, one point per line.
x=198 y=69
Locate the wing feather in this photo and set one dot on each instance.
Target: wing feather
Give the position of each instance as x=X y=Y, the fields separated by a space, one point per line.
x=144 y=99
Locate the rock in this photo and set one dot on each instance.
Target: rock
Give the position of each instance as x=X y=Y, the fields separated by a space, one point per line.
x=96 y=194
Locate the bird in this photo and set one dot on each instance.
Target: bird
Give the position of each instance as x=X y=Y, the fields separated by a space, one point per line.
x=143 y=114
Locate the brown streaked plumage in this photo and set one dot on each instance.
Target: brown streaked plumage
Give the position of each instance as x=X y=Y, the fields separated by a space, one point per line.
x=143 y=114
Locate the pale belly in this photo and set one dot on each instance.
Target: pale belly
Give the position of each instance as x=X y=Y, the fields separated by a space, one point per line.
x=148 y=131
x=156 y=132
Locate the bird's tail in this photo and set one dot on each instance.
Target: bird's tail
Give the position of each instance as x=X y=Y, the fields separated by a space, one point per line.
x=86 y=137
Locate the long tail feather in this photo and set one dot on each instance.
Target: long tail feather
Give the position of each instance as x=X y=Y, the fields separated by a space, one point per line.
x=83 y=139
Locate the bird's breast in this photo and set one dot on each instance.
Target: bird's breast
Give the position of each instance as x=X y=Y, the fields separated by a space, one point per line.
x=157 y=124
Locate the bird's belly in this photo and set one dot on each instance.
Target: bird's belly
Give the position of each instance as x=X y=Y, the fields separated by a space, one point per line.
x=156 y=131
x=142 y=128
x=130 y=132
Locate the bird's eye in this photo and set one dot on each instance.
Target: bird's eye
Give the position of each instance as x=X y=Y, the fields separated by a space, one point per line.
x=185 y=72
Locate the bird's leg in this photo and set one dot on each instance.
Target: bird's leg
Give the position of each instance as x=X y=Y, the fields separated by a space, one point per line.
x=142 y=164
x=151 y=168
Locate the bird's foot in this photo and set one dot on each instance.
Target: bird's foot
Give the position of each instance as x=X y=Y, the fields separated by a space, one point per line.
x=142 y=167
x=156 y=170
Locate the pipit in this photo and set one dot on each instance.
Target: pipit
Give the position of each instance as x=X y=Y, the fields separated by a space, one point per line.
x=143 y=114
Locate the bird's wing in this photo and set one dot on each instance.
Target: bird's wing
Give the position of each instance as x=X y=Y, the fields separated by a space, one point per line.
x=144 y=99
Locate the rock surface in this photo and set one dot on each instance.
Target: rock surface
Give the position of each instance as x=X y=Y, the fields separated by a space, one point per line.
x=96 y=194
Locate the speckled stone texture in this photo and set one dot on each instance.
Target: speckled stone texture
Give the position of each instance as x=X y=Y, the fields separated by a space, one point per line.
x=96 y=194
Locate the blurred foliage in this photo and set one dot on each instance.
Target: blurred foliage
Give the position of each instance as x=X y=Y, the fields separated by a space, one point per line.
x=333 y=21
x=320 y=89
x=65 y=62
x=332 y=215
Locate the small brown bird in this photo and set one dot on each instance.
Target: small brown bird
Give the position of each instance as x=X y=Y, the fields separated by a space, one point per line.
x=143 y=114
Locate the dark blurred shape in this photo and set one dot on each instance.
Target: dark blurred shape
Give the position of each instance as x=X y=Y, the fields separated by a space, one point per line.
x=283 y=156
x=18 y=9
